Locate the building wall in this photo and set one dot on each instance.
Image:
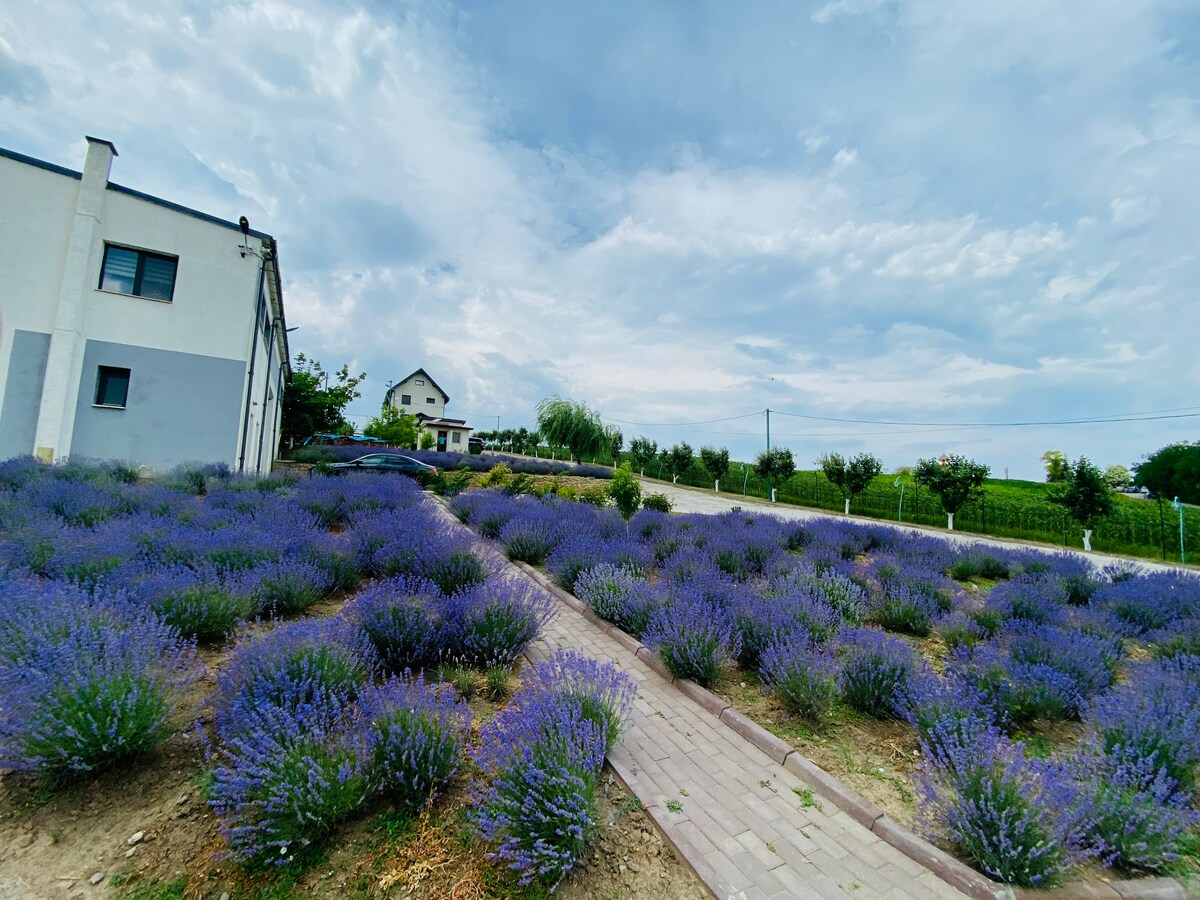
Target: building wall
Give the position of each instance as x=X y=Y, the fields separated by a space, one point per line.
x=55 y=323
x=22 y=379
x=463 y=435
x=420 y=394
x=181 y=407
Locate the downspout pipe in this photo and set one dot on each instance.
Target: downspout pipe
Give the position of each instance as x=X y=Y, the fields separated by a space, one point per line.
x=258 y=312
x=262 y=431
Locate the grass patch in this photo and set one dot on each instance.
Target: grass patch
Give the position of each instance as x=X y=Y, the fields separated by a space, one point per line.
x=808 y=798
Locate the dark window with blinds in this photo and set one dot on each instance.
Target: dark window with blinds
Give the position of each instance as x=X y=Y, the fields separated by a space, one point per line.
x=138 y=272
x=112 y=386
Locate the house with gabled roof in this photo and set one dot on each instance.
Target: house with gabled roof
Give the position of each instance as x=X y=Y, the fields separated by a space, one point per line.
x=419 y=395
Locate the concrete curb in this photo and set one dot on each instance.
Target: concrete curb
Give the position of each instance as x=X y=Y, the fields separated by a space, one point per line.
x=939 y=862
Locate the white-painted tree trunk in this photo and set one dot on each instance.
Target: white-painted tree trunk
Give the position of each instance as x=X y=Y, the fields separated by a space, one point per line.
x=949 y=521
x=847 y=506
x=1087 y=539
x=641 y=473
x=772 y=495
x=674 y=478
x=717 y=486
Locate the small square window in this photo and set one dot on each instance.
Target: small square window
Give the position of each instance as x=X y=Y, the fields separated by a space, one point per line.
x=455 y=437
x=430 y=400
x=406 y=399
x=112 y=386
x=420 y=381
x=138 y=272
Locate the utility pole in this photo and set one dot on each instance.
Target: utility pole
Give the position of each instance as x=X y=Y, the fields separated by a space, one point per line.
x=771 y=478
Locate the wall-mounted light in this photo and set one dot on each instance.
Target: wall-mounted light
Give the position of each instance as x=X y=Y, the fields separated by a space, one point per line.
x=244 y=247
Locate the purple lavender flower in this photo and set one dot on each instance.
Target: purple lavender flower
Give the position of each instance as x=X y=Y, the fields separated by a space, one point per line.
x=87 y=681
x=292 y=769
x=603 y=692
x=1140 y=817
x=1018 y=820
x=616 y=595
x=491 y=624
x=400 y=623
x=802 y=674
x=538 y=809
x=1154 y=714
x=416 y=734
x=875 y=670
x=693 y=637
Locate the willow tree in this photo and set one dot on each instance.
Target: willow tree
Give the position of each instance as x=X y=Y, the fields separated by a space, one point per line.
x=567 y=423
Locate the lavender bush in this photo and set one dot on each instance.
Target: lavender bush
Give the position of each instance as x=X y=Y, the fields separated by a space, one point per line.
x=1140 y=820
x=801 y=674
x=491 y=624
x=291 y=770
x=618 y=596
x=693 y=637
x=875 y=670
x=604 y=693
x=1016 y=819
x=416 y=735
x=87 y=681
x=400 y=623
x=542 y=757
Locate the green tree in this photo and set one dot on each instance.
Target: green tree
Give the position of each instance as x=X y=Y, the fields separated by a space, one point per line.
x=1173 y=471
x=851 y=477
x=955 y=481
x=393 y=426
x=1119 y=478
x=624 y=491
x=1085 y=495
x=567 y=423
x=1056 y=465
x=775 y=466
x=677 y=460
x=643 y=450
x=311 y=405
x=716 y=462
x=428 y=441
x=616 y=441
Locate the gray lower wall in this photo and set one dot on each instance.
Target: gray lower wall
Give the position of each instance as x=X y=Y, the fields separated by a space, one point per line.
x=182 y=407
x=23 y=393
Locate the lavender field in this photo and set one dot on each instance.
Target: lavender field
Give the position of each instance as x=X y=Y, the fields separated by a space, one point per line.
x=1055 y=709
x=351 y=630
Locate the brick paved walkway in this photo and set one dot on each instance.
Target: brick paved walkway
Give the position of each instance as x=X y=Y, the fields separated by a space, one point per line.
x=730 y=809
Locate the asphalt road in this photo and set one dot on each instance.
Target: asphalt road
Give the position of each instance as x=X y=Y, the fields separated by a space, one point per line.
x=696 y=500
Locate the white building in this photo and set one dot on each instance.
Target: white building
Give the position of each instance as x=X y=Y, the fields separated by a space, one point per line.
x=419 y=395
x=133 y=328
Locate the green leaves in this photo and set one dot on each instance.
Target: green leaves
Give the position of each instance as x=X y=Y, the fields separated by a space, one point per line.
x=955 y=479
x=311 y=405
x=1084 y=493
x=570 y=424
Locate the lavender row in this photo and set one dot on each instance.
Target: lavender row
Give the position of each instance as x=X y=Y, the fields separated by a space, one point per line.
x=830 y=613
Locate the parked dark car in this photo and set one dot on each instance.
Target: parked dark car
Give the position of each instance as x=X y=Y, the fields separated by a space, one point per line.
x=386 y=462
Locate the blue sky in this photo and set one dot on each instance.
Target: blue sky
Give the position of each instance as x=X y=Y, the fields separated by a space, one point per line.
x=914 y=212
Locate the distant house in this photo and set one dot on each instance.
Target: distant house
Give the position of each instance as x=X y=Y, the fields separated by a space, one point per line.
x=419 y=395
x=131 y=327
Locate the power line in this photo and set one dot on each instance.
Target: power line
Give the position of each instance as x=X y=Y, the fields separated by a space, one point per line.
x=1087 y=420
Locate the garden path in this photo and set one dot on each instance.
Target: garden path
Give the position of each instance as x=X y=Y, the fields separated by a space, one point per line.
x=731 y=811
x=697 y=500
x=747 y=825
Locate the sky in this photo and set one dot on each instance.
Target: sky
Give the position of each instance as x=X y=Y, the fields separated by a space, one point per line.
x=946 y=217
